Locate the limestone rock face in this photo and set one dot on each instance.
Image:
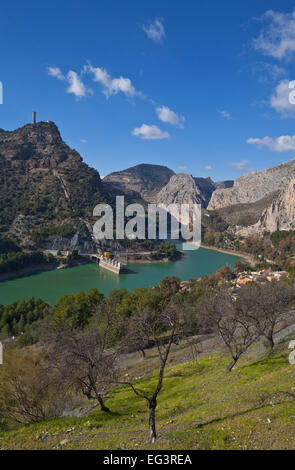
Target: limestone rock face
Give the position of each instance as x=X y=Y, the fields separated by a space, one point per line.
x=254 y=186
x=181 y=189
x=184 y=188
x=280 y=215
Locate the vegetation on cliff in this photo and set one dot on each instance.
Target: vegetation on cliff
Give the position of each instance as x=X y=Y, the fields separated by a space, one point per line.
x=43 y=182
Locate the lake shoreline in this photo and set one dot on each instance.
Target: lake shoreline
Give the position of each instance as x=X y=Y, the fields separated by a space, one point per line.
x=29 y=269
x=54 y=266
x=247 y=257
x=36 y=268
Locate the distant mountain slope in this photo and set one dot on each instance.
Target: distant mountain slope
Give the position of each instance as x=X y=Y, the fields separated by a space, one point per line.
x=254 y=186
x=143 y=179
x=156 y=183
x=42 y=181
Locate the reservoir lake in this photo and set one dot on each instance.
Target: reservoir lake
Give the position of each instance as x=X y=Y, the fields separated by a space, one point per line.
x=52 y=285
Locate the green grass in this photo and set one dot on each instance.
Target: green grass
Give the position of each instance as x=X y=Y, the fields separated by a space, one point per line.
x=201 y=406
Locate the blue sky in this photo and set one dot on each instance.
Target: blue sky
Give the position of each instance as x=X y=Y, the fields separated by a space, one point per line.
x=199 y=86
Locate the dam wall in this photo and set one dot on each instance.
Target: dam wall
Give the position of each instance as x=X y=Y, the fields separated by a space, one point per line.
x=111 y=264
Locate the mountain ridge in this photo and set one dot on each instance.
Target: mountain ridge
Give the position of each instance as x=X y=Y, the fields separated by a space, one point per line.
x=253 y=186
x=45 y=185
x=137 y=181
x=144 y=179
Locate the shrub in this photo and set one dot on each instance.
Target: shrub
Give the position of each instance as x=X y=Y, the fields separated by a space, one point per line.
x=29 y=390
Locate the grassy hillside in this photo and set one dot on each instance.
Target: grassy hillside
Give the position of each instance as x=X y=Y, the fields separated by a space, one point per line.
x=200 y=407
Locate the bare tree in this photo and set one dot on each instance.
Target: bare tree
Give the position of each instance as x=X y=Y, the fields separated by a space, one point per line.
x=162 y=330
x=219 y=309
x=263 y=305
x=83 y=359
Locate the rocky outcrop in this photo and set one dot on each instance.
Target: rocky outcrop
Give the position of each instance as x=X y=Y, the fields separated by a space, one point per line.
x=37 y=146
x=184 y=188
x=280 y=215
x=81 y=242
x=144 y=180
x=254 y=186
x=21 y=225
x=181 y=189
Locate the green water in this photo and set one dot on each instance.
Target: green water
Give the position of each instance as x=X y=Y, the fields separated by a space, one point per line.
x=51 y=285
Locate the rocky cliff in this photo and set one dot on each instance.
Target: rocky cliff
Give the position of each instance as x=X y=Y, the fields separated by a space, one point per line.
x=280 y=215
x=181 y=189
x=254 y=186
x=184 y=188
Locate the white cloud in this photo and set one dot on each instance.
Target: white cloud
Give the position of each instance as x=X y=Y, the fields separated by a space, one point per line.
x=147 y=132
x=284 y=143
x=83 y=141
x=56 y=72
x=240 y=165
x=182 y=168
x=279 y=100
x=208 y=167
x=76 y=86
x=112 y=86
x=166 y=115
x=277 y=39
x=155 y=30
x=224 y=114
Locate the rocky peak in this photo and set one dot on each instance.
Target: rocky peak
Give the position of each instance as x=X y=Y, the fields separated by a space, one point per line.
x=38 y=135
x=181 y=189
x=35 y=146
